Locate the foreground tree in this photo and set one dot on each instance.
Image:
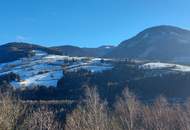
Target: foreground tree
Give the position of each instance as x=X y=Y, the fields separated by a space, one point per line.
x=91 y=115
x=127 y=109
x=10 y=112
x=41 y=119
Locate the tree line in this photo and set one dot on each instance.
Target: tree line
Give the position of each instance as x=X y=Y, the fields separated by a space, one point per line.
x=93 y=113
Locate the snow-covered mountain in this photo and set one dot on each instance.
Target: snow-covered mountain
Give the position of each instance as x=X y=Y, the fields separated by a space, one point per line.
x=45 y=69
x=164 y=43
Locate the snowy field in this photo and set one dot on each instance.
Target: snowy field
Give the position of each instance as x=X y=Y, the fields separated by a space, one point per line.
x=44 y=69
x=159 y=65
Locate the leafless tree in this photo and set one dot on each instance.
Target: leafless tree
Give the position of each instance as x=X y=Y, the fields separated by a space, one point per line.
x=92 y=115
x=41 y=119
x=156 y=115
x=10 y=111
x=127 y=110
x=165 y=116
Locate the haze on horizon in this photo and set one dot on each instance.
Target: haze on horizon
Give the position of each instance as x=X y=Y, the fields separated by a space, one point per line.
x=86 y=23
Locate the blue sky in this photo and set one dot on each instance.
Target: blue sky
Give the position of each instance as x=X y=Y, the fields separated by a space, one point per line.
x=86 y=23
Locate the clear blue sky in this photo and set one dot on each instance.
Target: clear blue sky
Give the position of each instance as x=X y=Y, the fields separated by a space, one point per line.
x=86 y=22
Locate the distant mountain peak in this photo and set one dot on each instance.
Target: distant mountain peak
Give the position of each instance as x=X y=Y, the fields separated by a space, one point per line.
x=165 y=43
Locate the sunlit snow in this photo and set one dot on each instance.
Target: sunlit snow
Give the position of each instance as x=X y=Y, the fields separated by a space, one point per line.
x=159 y=65
x=45 y=70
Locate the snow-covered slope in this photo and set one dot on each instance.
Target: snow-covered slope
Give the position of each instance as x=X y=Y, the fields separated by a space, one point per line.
x=44 y=69
x=159 y=65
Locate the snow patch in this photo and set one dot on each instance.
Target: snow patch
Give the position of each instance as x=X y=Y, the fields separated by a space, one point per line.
x=159 y=65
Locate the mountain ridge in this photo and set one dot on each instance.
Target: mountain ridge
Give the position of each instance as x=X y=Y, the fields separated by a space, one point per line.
x=16 y=50
x=162 y=43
